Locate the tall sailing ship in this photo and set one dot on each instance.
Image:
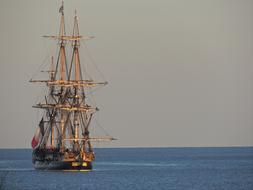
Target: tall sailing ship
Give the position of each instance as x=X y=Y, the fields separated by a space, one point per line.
x=62 y=139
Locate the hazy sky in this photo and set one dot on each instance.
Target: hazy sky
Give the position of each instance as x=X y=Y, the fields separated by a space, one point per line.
x=180 y=72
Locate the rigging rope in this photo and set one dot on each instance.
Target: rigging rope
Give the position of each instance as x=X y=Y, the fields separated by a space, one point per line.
x=92 y=60
x=100 y=126
x=46 y=59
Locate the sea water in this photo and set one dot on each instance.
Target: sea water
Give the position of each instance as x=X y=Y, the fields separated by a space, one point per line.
x=137 y=168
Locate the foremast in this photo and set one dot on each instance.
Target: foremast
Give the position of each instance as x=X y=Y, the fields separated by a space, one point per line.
x=67 y=115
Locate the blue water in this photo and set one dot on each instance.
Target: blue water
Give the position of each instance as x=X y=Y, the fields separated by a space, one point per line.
x=137 y=168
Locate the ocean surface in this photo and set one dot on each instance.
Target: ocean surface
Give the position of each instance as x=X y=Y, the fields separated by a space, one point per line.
x=137 y=168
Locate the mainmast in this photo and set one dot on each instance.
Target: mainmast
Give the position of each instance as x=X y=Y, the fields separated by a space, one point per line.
x=62 y=43
x=81 y=119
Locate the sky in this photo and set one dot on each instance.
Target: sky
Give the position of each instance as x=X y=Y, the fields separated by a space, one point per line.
x=180 y=72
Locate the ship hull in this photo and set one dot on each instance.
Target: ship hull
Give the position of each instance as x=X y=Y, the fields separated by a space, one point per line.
x=63 y=165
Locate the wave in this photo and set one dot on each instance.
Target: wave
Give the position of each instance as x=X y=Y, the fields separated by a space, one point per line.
x=141 y=164
x=15 y=165
x=16 y=169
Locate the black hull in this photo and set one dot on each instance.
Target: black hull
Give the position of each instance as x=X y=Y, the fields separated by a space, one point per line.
x=62 y=165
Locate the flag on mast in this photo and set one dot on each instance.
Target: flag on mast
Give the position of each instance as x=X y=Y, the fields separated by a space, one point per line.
x=61 y=9
x=39 y=133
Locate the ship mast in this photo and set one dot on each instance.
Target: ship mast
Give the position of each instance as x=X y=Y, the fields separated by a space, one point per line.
x=82 y=119
x=51 y=89
x=62 y=54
